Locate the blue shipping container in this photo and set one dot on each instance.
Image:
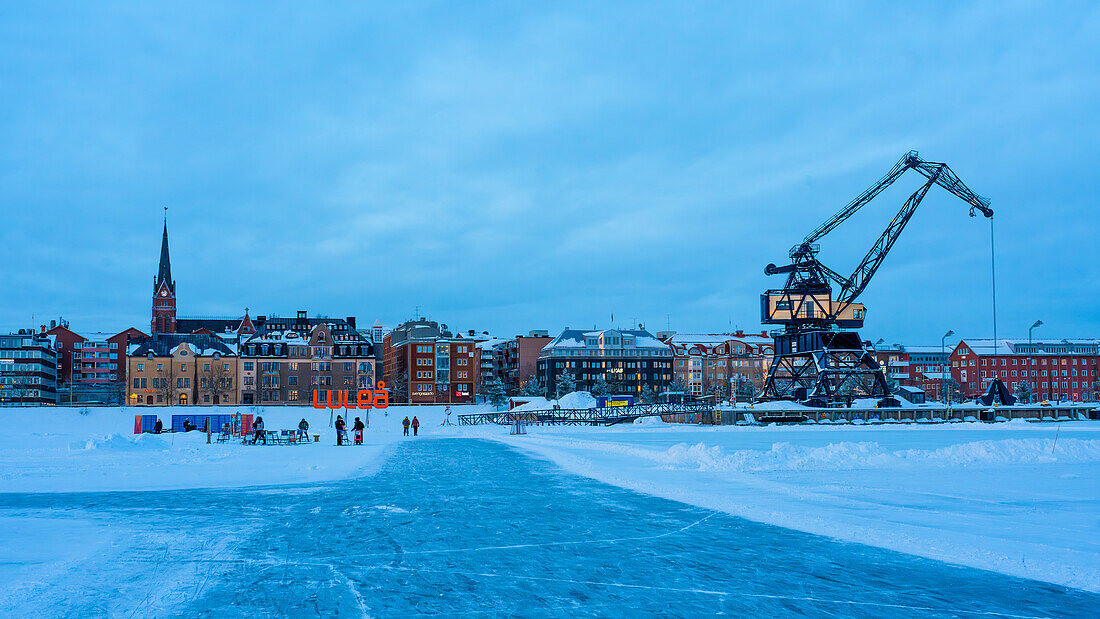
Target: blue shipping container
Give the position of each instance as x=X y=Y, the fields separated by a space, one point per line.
x=199 y=420
x=148 y=423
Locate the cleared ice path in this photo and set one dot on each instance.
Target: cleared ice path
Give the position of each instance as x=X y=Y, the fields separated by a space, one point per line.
x=466 y=527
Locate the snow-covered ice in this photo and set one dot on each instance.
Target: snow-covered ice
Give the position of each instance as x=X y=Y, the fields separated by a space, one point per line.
x=1022 y=499
x=1019 y=498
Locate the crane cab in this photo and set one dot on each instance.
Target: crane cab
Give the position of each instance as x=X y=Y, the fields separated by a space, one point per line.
x=786 y=307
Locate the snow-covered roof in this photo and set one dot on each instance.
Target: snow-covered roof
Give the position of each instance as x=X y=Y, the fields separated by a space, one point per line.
x=575 y=338
x=1003 y=346
x=716 y=343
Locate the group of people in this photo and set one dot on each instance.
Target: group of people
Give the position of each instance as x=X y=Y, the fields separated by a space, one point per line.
x=342 y=434
x=259 y=435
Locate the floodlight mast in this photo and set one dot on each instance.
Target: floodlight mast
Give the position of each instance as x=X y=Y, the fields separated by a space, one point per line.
x=806 y=306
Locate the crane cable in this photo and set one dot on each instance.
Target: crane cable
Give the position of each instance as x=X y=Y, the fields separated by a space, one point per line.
x=993 y=279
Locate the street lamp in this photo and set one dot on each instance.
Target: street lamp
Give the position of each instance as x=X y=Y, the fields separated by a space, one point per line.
x=943 y=369
x=1030 y=351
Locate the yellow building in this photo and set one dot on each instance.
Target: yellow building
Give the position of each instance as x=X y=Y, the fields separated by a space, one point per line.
x=182 y=370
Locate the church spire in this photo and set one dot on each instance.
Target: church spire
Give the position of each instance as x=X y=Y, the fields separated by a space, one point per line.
x=164 y=273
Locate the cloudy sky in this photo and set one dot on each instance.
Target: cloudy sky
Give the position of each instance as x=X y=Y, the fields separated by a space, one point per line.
x=513 y=166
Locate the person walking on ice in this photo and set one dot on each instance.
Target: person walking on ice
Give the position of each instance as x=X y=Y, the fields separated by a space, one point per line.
x=415 y=424
x=303 y=430
x=259 y=434
x=405 y=424
x=358 y=428
x=340 y=430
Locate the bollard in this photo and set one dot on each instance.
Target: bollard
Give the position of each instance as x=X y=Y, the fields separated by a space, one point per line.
x=207 y=430
x=316 y=438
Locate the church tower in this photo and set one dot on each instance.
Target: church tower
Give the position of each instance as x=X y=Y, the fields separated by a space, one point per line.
x=164 y=291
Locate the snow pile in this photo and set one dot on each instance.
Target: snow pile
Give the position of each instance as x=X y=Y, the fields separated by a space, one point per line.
x=577 y=399
x=845 y=456
x=119 y=442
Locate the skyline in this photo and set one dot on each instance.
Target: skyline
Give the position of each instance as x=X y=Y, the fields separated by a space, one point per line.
x=514 y=168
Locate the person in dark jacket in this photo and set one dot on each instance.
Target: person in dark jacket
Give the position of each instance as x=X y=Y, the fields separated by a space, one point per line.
x=159 y=427
x=303 y=430
x=358 y=427
x=405 y=424
x=415 y=425
x=340 y=430
x=258 y=433
x=187 y=425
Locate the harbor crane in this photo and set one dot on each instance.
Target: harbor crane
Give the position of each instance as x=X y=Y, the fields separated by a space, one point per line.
x=819 y=359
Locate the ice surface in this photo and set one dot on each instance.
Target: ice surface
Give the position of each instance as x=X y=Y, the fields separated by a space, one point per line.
x=1018 y=498
x=460 y=527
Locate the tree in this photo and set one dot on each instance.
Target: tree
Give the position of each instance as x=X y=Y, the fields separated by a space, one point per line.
x=165 y=381
x=494 y=393
x=565 y=384
x=533 y=388
x=1096 y=390
x=678 y=385
x=217 y=382
x=1023 y=392
x=649 y=396
x=952 y=391
x=600 y=387
x=399 y=388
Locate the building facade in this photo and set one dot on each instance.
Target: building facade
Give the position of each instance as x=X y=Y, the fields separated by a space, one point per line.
x=1055 y=370
x=516 y=360
x=424 y=363
x=28 y=369
x=630 y=361
x=720 y=364
x=168 y=369
x=291 y=358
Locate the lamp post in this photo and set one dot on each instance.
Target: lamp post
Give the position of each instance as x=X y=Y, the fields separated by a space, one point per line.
x=1030 y=351
x=943 y=370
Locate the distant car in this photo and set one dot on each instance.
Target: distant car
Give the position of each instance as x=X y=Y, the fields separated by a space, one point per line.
x=1044 y=403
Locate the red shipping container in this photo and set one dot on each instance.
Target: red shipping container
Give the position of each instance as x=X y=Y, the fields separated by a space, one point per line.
x=137 y=424
x=246 y=425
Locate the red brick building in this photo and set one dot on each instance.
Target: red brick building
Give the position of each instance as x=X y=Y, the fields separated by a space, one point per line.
x=516 y=360
x=720 y=363
x=424 y=363
x=1055 y=369
x=91 y=364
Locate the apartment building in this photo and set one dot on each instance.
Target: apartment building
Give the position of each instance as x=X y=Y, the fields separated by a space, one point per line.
x=629 y=361
x=290 y=359
x=516 y=359
x=1062 y=370
x=28 y=369
x=720 y=364
x=425 y=363
x=173 y=369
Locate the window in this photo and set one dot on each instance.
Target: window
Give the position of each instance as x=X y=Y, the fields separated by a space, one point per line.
x=160 y=366
x=137 y=383
x=183 y=367
x=141 y=367
x=248 y=366
x=206 y=367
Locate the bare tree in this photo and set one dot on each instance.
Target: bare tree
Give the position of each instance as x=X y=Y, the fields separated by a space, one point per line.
x=166 y=382
x=217 y=381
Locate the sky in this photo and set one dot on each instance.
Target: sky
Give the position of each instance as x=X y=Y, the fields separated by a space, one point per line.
x=513 y=166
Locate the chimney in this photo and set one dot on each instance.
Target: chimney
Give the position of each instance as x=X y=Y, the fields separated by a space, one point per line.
x=351 y=322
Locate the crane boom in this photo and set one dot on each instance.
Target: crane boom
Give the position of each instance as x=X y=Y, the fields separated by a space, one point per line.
x=813 y=362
